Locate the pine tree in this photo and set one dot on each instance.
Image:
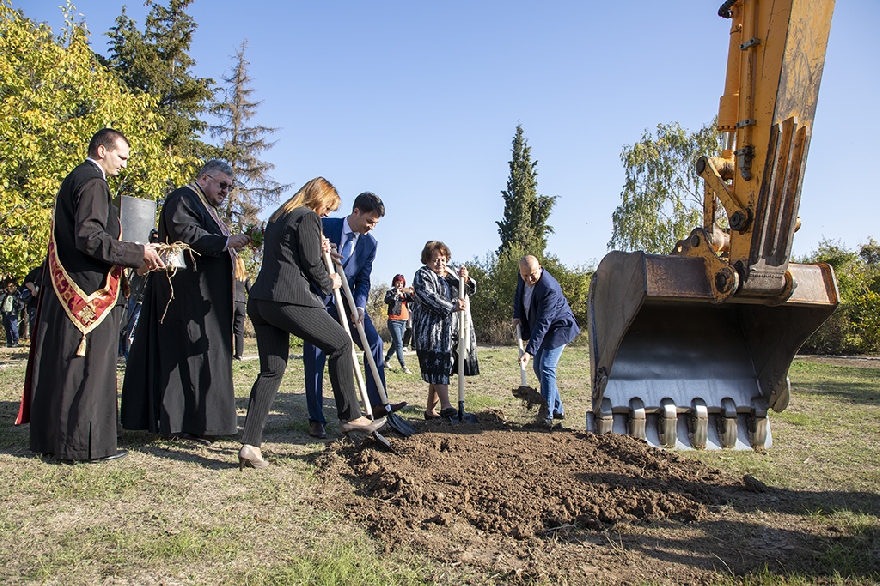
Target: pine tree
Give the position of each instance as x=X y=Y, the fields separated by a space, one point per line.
x=524 y=226
x=240 y=146
x=157 y=62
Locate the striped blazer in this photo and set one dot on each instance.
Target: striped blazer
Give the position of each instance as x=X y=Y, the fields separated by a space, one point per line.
x=292 y=261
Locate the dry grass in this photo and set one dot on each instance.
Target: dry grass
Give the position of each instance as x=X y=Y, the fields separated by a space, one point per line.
x=181 y=513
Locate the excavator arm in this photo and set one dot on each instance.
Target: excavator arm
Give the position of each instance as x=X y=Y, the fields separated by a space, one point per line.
x=691 y=349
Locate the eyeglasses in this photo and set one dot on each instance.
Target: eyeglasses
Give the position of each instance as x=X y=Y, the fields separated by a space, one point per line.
x=223 y=184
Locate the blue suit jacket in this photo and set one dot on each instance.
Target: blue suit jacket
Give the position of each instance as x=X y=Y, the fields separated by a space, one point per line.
x=549 y=323
x=359 y=266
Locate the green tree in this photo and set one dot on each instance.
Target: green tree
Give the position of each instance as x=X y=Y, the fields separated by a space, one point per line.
x=492 y=306
x=157 y=62
x=662 y=197
x=524 y=224
x=855 y=327
x=241 y=145
x=55 y=94
x=496 y=275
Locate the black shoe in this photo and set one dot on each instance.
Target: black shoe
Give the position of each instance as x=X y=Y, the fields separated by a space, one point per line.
x=430 y=416
x=120 y=454
x=316 y=429
x=559 y=416
x=381 y=411
x=449 y=413
x=191 y=438
x=237 y=357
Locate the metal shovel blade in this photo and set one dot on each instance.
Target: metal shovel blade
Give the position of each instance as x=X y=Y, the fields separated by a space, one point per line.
x=399 y=424
x=530 y=396
x=465 y=417
x=382 y=440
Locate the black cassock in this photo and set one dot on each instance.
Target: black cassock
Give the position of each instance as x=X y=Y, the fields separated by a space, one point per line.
x=179 y=374
x=74 y=400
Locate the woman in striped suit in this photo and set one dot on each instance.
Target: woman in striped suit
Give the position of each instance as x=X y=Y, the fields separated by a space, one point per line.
x=282 y=302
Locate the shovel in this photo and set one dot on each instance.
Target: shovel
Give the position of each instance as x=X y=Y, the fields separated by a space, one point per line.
x=394 y=421
x=359 y=377
x=529 y=395
x=464 y=338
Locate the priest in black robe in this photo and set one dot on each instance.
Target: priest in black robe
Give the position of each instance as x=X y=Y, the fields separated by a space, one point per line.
x=70 y=394
x=178 y=381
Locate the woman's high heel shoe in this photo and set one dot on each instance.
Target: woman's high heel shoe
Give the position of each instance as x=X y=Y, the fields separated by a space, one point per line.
x=251 y=457
x=368 y=427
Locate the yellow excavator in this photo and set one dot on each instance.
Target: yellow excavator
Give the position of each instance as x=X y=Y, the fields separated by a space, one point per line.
x=691 y=349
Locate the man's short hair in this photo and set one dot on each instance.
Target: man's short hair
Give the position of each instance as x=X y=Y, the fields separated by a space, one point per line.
x=369 y=202
x=106 y=137
x=216 y=165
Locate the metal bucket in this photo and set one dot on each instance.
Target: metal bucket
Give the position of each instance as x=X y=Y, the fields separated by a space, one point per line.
x=137 y=217
x=674 y=368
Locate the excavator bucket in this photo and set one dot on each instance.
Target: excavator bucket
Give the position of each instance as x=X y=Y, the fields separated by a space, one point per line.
x=692 y=349
x=672 y=366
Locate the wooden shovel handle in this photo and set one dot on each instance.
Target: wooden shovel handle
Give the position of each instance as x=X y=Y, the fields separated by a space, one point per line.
x=343 y=319
x=522 y=367
x=363 y=336
x=463 y=340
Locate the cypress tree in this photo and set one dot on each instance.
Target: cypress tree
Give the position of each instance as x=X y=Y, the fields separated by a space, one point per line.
x=524 y=226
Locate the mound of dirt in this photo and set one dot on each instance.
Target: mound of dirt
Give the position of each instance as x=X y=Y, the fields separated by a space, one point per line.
x=527 y=505
x=520 y=482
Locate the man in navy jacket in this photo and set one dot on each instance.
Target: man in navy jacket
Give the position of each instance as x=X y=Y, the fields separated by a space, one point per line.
x=548 y=324
x=359 y=254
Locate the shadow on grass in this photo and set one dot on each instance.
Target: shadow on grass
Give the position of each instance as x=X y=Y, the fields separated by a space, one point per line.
x=845 y=540
x=755 y=550
x=862 y=392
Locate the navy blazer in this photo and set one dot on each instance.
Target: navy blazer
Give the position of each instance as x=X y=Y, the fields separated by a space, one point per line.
x=550 y=323
x=359 y=266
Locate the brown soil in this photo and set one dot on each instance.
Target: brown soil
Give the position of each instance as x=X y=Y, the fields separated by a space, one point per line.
x=564 y=506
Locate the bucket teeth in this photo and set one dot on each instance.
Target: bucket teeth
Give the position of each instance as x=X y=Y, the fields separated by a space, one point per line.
x=698 y=424
x=637 y=419
x=667 y=424
x=758 y=423
x=605 y=418
x=727 y=431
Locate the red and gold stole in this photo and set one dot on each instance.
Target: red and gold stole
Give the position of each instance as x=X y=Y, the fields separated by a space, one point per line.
x=85 y=311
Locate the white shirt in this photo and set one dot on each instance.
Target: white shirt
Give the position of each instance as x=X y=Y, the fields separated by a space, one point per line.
x=95 y=163
x=527 y=296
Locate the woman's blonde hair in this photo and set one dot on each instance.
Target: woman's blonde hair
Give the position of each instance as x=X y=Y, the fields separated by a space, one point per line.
x=314 y=194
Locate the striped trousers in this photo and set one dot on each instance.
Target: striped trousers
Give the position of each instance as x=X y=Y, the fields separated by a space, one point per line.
x=274 y=323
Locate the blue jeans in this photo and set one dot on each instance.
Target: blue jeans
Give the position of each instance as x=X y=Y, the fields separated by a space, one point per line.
x=544 y=363
x=396 y=327
x=10 y=322
x=313 y=365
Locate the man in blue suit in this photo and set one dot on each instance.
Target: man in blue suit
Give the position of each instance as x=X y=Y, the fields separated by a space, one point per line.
x=352 y=238
x=548 y=324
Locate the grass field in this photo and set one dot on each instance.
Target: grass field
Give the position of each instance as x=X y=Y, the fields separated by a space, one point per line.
x=182 y=513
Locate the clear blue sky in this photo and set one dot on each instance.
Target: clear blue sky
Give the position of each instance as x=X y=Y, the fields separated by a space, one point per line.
x=418 y=102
